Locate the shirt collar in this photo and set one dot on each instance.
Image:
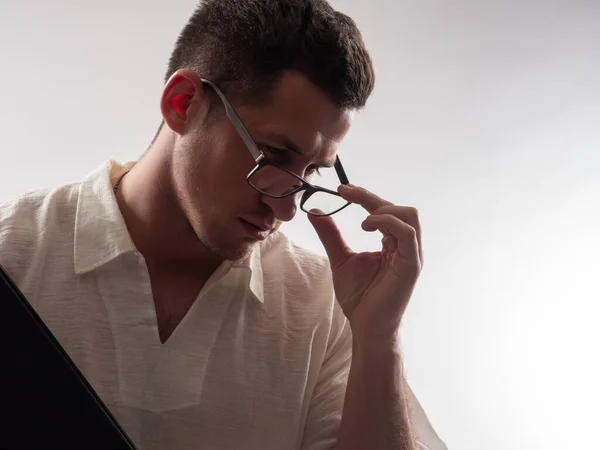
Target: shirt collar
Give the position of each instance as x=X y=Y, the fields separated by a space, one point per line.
x=253 y=264
x=100 y=231
x=101 y=234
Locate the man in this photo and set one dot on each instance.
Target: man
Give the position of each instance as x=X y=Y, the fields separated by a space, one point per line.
x=167 y=281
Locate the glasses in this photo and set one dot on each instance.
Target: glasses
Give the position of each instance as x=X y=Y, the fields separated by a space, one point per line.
x=320 y=197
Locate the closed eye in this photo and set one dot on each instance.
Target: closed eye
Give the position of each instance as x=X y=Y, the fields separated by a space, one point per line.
x=283 y=155
x=312 y=169
x=277 y=155
x=273 y=151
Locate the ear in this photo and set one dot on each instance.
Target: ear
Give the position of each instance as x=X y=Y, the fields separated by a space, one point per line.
x=182 y=100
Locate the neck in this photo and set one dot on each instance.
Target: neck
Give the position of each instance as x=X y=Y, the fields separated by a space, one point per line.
x=155 y=220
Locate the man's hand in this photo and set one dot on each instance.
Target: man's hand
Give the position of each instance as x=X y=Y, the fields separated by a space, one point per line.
x=374 y=288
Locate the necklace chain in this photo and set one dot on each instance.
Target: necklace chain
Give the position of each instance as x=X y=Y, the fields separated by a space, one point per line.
x=119 y=181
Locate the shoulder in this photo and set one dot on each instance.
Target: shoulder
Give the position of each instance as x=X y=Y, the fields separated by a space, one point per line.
x=29 y=215
x=280 y=255
x=299 y=281
x=297 y=273
x=29 y=222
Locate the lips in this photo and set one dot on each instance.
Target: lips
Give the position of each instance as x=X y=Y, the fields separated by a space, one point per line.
x=254 y=231
x=262 y=226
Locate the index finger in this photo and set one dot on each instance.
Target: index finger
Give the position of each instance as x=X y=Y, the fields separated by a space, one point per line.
x=363 y=197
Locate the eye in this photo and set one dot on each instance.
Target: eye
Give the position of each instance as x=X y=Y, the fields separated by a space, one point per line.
x=313 y=169
x=273 y=151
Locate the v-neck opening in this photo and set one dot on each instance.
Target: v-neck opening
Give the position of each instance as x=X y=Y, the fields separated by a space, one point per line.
x=212 y=281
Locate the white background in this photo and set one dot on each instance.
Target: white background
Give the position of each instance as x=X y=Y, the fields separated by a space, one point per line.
x=486 y=116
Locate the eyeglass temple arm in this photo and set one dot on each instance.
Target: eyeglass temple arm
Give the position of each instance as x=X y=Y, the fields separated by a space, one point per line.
x=245 y=135
x=340 y=171
x=237 y=122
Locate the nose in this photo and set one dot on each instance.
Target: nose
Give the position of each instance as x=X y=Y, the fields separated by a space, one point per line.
x=284 y=208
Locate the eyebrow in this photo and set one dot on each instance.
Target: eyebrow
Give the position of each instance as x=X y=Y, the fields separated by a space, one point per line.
x=285 y=142
x=288 y=144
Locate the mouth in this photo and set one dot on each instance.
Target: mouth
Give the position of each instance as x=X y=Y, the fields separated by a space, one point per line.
x=255 y=231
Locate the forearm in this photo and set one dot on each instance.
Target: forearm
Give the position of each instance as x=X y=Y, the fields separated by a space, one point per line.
x=375 y=415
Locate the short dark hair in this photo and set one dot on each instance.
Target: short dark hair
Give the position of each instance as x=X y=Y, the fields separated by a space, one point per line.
x=244 y=46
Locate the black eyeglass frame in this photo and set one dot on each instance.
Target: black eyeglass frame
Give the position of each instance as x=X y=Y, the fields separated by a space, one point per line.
x=261 y=160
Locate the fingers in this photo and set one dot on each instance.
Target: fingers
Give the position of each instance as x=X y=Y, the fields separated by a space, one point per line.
x=336 y=247
x=406 y=214
x=375 y=205
x=406 y=235
x=361 y=196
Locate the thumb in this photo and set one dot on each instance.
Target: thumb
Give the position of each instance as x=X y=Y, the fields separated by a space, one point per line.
x=329 y=234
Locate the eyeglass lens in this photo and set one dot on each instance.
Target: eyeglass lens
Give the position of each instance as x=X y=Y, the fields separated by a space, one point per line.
x=276 y=182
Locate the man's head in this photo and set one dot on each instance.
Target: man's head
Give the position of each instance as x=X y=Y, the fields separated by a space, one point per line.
x=295 y=70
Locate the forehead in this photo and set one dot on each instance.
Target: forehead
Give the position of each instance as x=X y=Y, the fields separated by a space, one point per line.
x=304 y=114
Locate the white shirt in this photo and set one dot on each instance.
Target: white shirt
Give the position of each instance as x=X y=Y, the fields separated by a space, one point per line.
x=259 y=362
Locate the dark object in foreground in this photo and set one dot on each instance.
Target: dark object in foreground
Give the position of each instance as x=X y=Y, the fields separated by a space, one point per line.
x=45 y=401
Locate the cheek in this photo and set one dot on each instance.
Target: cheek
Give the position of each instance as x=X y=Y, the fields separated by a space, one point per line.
x=230 y=173
x=235 y=167
x=228 y=181
x=222 y=163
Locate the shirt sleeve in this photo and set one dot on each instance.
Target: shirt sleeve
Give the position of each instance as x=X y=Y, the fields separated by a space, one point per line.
x=327 y=402
x=22 y=244
x=325 y=411
x=16 y=231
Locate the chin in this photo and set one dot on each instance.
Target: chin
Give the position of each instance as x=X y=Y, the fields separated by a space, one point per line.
x=228 y=249
x=236 y=254
x=224 y=240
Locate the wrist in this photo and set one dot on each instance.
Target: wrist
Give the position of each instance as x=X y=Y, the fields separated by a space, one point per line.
x=376 y=347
